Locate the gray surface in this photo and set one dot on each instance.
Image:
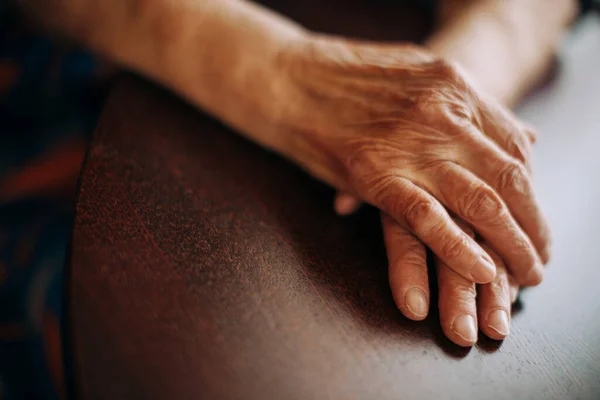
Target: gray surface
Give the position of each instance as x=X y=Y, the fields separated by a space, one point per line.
x=567 y=179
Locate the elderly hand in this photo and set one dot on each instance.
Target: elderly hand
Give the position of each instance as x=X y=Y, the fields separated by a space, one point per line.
x=403 y=130
x=463 y=306
x=392 y=124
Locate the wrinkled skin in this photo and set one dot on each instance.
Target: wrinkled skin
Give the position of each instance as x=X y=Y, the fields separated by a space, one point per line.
x=482 y=48
x=402 y=130
x=388 y=124
x=463 y=306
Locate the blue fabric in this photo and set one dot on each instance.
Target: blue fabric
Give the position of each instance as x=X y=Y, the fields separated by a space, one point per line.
x=50 y=99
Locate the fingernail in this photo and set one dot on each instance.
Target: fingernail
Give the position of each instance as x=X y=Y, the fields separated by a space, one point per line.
x=416 y=302
x=534 y=276
x=464 y=326
x=498 y=321
x=484 y=271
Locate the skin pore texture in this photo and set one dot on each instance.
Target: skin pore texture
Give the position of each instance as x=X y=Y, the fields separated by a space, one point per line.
x=465 y=32
x=419 y=132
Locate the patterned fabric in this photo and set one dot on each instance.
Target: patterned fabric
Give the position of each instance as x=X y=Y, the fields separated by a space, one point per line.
x=50 y=98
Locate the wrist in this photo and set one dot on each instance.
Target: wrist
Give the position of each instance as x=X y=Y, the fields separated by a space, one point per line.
x=514 y=40
x=227 y=58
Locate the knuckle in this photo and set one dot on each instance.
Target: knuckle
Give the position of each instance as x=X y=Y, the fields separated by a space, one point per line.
x=468 y=293
x=447 y=69
x=443 y=167
x=514 y=178
x=519 y=149
x=364 y=171
x=521 y=247
x=529 y=131
x=499 y=287
x=379 y=190
x=414 y=249
x=357 y=158
x=414 y=257
x=418 y=212
x=481 y=204
x=463 y=291
x=429 y=105
x=445 y=104
x=462 y=117
x=532 y=135
x=455 y=248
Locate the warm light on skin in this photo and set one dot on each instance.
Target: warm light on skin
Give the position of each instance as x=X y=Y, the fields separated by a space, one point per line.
x=393 y=124
x=464 y=36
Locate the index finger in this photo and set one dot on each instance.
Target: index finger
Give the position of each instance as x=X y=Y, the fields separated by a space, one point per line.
x=428 y=220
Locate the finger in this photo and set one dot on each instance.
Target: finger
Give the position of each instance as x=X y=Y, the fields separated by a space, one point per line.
x=506 y=131
x=531 y=132
x=429 y=221
x=514 y=289
x=458 y=314
x=345 y=204
x=479 y=205
x=512 y=182
x=494 y=300
x=407 y=269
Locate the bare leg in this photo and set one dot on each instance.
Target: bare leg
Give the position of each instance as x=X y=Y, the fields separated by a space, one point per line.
x=506 y=46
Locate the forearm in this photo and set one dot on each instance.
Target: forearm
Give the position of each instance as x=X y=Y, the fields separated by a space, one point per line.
x=220 y=54
x=506 y=46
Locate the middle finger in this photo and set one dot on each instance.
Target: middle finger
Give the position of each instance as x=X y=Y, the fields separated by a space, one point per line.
x=512 y=182
x=479 y=205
